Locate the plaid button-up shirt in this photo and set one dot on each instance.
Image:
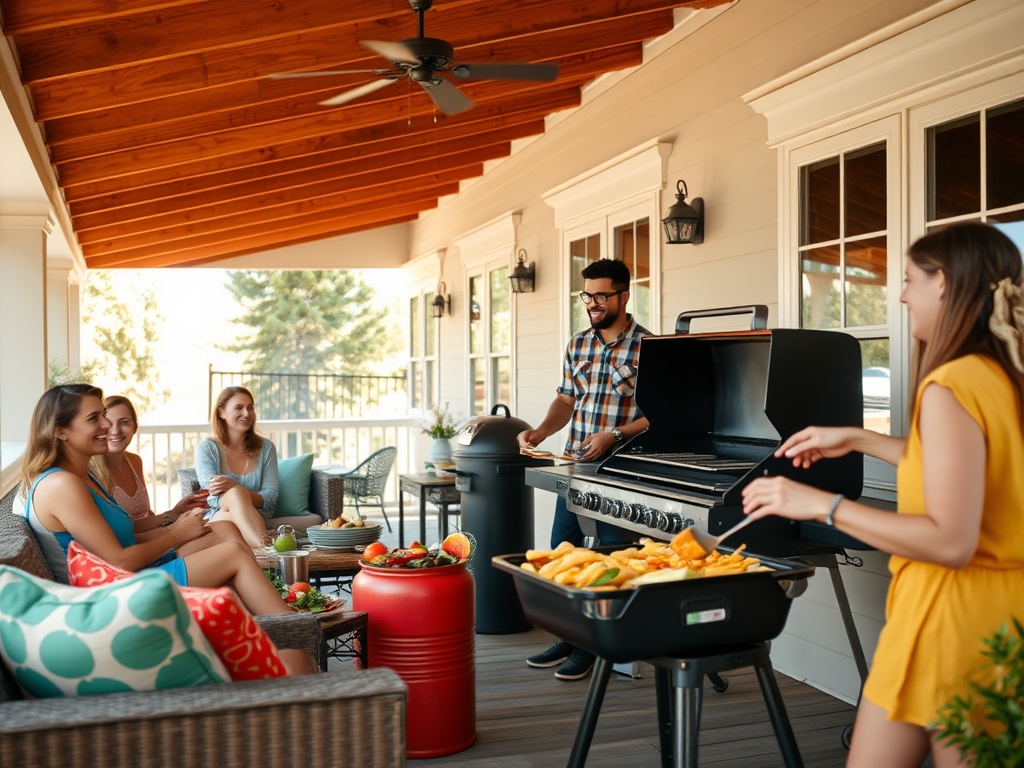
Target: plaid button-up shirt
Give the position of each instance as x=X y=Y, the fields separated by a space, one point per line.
x=601 y=377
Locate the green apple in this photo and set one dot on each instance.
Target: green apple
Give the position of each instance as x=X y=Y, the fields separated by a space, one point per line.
x=285 y=543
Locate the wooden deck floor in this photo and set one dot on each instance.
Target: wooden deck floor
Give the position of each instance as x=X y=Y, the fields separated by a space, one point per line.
x=527 y=719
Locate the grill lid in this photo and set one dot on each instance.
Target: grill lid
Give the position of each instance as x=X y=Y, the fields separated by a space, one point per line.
x=490 y=436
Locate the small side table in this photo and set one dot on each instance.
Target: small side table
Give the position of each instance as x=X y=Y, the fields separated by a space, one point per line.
x=439 y=491
x=344 y=637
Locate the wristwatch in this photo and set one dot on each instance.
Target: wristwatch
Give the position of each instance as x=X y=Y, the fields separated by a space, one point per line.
x=617 y=434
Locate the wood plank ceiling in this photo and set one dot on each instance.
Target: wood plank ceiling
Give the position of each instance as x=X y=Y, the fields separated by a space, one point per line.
x=172 y=147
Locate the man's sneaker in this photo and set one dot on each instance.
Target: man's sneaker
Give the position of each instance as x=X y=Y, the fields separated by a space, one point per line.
x=553 y=656
x=578 y=666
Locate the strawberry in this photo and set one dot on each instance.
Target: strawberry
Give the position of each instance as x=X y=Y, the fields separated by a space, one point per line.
x=291 y=598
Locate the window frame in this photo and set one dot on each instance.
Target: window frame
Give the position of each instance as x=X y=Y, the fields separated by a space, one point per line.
x=425 y=292
x=482 y=268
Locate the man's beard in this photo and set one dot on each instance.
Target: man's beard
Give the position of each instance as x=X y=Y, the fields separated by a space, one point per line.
x=607 y=320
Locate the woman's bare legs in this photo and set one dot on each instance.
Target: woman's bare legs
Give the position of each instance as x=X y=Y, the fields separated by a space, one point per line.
x=219 y=533
x=879 y=741
x=297 y=662
x=231 y=563
x=236 y=507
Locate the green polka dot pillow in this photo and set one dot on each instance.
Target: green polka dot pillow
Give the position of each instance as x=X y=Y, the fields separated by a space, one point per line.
x=135 y=635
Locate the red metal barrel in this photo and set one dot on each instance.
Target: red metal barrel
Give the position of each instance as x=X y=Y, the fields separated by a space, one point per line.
x=421 y=624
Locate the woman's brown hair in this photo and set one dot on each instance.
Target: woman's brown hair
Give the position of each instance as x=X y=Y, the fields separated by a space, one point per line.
x=974 y=258
x=55 y=410
x=253 y=440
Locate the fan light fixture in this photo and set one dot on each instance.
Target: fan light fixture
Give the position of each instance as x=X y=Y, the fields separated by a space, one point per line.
x=442 y=302
x=523 y=277
x=685 y=222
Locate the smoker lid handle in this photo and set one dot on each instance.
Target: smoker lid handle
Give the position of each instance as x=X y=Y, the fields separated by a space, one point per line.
x=508 y=413
x=758 y=322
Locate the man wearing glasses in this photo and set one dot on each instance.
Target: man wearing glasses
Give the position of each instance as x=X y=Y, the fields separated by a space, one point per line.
x=596 y=399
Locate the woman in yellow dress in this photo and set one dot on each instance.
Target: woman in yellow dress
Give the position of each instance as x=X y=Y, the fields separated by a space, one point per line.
x=957 y=542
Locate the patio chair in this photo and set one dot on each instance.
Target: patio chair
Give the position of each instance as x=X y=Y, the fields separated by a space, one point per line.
x=366 y=482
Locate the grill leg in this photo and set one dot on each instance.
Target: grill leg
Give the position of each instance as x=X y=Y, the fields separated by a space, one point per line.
x=591 y=709
x=663 y=692
x=687 y=727
x=777 y=712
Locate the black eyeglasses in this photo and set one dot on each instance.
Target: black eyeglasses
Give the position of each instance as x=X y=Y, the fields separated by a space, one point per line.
x=597 y=298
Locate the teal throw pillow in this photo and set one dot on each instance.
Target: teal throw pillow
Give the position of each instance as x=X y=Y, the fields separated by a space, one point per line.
x=135 y=635
x=293 y=485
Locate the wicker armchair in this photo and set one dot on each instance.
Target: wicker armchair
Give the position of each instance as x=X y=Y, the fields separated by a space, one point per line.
x=358 y=715
x=366 y=482
x=326 y=498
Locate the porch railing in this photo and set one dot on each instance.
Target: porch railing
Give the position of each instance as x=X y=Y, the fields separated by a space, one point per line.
x=336 y=442
x=314 y=395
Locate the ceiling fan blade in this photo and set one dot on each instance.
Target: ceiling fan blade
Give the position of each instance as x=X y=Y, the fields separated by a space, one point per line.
x=391 y=51
x=544 y=73
x=355 y=93
x=448 y=98
x=324 y=73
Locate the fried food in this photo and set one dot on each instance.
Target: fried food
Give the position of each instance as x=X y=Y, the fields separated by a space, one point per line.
x=687 y=547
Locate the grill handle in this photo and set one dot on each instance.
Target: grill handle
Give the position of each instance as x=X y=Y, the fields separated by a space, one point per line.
x=758 y=322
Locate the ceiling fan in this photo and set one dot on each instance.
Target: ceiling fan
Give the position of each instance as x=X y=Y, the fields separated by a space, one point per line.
x=421 y=60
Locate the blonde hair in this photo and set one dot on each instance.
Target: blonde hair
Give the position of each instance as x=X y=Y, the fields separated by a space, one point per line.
x=980 y=311
x=98 y=466
x=253 y=440
x=55 y=410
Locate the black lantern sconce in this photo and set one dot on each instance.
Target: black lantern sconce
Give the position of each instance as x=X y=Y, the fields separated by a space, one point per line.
x=523 y=277
x=442 y=302
x=685 y=222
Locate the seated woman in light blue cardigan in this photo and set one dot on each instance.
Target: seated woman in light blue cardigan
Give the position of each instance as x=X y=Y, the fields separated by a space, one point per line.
x=238 y=467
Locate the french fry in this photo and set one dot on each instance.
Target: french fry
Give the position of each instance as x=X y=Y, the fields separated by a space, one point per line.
x=578 y=557
x=591 y=573
x=529 y=567
x=567 y=577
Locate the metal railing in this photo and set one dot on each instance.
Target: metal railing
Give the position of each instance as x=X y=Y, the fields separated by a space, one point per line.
x=314 y=395
x=335 y=442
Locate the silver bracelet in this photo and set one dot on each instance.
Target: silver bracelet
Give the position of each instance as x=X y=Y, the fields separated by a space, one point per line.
x=167 y=520
x=830 y=520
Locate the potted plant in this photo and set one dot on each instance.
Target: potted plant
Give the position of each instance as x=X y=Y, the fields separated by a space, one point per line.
x=988 y=731
x=441 y=429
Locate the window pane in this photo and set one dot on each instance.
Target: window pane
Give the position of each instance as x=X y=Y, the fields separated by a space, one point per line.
x=414 y=326
x=819 y=281
x=479 y=394
x=416 y=384
x=501 y=380
x=866 y=295
x=819 y=192
x=579 y=319
x=865 y=190
x=874 y=358
x=430 y=381
x=640 y=303
x=582 y=252
x=431 y=328
x=1004 y=136
x=642 y=270
x=501 y=317
x=954 y=155
x=476 y=317
x=625 y=248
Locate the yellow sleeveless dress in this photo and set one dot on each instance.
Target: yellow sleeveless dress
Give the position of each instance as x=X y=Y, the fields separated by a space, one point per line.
x=936 y=617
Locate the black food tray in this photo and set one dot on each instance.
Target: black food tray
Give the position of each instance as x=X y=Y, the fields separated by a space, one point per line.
x=663 y=619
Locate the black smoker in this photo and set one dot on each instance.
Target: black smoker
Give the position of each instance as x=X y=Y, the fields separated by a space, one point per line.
x=497 y=508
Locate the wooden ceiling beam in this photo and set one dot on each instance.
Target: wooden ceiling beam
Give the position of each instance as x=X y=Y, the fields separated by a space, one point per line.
x=236 y=228
x=245 y=249
x=341 y=162
x=297 y=186
x=23 y=16
x=331 y=49
x=274 y=160
x=173 y=153
x=295 y=96
x=157 y=215
x=324 y=228
x=124 y=236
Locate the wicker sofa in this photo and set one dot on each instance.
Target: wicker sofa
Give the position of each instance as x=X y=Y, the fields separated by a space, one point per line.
x=345 y=717
x=326 y=498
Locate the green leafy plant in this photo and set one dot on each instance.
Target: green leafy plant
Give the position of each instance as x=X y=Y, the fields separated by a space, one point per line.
x=987 y=727
x=443 y=425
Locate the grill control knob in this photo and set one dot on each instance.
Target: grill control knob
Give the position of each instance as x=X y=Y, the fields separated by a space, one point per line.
x=617 y=508
x=661 y=521
x=634 y=512
x=576 y=497
x=675 y=523
x=689 y=522
x=605 y=507
x=650 y=518
x=592 y=501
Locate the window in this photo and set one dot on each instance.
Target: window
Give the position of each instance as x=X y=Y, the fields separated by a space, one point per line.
x=422 y=375
x=844 y=264
x=975 y=167
x=582 y=253
x=490 y=338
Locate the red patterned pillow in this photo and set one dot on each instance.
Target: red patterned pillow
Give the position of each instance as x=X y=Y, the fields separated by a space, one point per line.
x=242 y=645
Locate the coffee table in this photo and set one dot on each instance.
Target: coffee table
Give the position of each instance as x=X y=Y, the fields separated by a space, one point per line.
x=344 y=637
x=438 y=490
x=323 y=564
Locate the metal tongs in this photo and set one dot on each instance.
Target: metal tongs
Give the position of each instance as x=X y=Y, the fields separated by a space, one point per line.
x=710 y=543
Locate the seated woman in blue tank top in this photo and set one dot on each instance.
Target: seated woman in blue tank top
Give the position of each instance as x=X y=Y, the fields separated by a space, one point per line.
x=64 y=504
